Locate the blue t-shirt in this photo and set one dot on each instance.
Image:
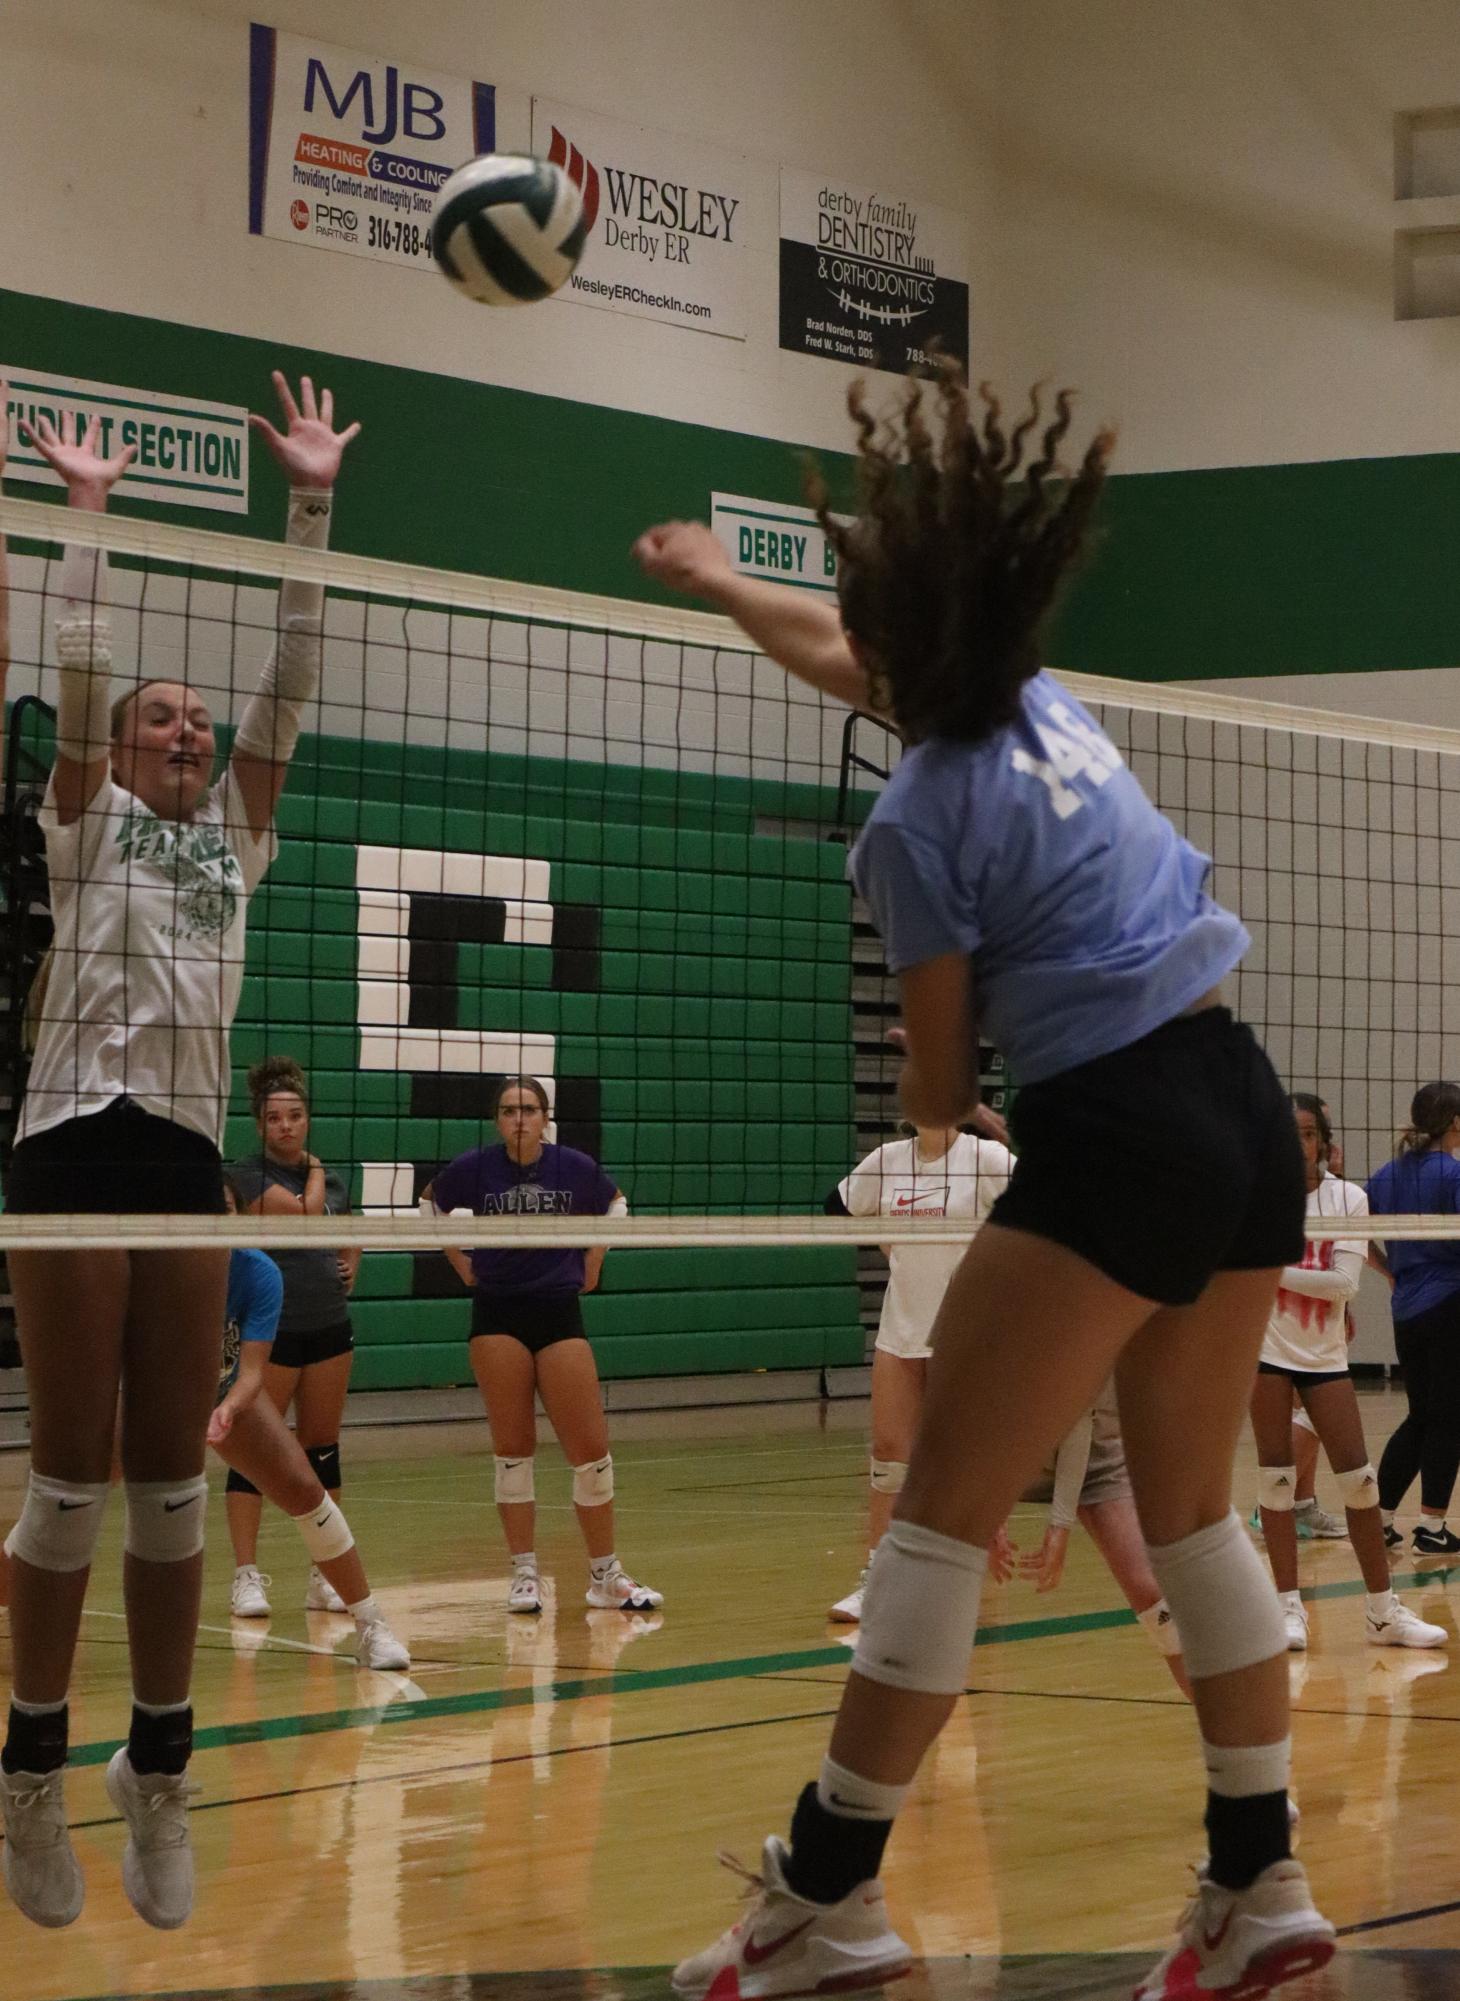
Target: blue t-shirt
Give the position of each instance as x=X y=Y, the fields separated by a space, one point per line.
x=560 y=1182
x=1037 y=853
x=1419 y=1184
x=255 y=1297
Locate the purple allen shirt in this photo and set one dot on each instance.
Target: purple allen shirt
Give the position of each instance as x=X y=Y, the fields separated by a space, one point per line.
x=560 y=1182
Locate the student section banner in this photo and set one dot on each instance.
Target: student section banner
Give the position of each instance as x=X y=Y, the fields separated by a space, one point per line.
x=666 y=238
x=868 y=277
x=347 y=151
x=189 y=454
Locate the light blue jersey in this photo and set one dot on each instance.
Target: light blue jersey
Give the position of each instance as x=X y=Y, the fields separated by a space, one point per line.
x=1037 y=853
x=255 y=1295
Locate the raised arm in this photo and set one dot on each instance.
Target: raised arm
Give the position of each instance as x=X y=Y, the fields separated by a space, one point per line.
x=800 y=633
x=309 y=449
x=83 y=630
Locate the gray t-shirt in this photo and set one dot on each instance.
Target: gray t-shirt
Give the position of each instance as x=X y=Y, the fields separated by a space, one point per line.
x=314 y=1294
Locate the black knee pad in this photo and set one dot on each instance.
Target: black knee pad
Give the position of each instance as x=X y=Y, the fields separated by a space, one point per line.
x=236 y=1484
x=325 y=1459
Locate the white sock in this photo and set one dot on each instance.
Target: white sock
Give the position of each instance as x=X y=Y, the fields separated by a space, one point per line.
x=1386 y=1516
x=852 y=1797
x=601 y=1568
x=1377 y=1604
x=366 y=1612
x=525 y=1559
x=37 y=1708
x=1292 y=1601
x=1246 y=1771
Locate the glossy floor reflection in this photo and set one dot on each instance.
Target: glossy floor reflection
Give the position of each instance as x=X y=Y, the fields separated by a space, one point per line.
x=1355 y=1976
x=540 y=1800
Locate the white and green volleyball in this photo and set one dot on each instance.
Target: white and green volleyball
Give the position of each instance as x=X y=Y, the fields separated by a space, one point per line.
x=508 y=229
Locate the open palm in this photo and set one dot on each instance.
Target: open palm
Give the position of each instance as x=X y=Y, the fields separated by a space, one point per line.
x=309 y=448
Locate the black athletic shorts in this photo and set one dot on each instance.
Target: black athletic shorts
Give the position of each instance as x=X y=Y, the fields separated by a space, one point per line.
x=536 y=1319
x=1298 y=1377
x=118 y=1162
x=297 y=1351
x=1163 y=1162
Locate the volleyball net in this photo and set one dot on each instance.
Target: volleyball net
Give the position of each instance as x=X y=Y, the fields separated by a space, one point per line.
x=602 y=844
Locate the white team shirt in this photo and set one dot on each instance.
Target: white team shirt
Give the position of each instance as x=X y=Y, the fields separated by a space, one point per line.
x=1306 y=1328
x=897 y=1181
x=148 y=958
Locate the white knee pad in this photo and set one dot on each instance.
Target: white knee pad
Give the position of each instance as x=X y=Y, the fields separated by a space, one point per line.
x=593 y=1482
x=1302 y=1421
x=888 y=1475
x=1359 y=1488
x=920 y=1610
x=325 y=1532
x=1221 y=1599
x=1277 y=1487
x=59 y=1524
x=512 y=1479
x=165 y=1519
x=1159 y=1623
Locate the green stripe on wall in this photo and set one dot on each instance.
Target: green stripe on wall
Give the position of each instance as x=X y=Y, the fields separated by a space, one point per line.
x=1344 y=566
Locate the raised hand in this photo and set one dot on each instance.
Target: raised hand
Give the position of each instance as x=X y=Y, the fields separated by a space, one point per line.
x=309 y=448
x=89 y=477
x=685 y=556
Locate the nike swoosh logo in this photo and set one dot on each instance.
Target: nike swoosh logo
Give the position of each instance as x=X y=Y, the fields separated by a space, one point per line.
x=1212 y=1940
x=756 y=1955
x=319 y=1524
x=171 y=1507
x=67 y=1507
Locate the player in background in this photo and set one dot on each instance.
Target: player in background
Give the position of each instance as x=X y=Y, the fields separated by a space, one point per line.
x=1305 y=1349
x=528 y=1340
x=939 y=1171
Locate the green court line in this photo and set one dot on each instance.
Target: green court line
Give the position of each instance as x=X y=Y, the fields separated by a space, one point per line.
x=637 y=1681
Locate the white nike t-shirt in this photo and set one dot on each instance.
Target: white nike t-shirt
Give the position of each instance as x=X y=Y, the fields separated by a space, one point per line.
x=897 y=1181
x=1306 y=1331
x=147 y=958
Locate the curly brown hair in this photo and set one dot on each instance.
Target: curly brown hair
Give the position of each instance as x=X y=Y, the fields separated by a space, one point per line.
x=954 y=562
x=275 y=1073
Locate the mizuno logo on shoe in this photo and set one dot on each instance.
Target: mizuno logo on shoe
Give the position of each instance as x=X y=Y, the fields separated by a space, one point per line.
x=755 y=1955
x=172 y=1507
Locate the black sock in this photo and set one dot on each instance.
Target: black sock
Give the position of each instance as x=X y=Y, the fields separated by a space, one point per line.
x=1246 y=1836
x=160 y=1743
x=830 y=1854
x=35 y=1743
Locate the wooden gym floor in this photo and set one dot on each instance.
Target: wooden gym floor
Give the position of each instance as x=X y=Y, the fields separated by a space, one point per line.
x=534 y=1813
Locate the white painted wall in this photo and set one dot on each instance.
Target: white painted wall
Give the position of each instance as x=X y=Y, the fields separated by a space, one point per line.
x=1195 y=221
x=123 y=147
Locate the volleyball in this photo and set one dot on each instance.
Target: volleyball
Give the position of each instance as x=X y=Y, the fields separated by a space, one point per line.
x=508 y=229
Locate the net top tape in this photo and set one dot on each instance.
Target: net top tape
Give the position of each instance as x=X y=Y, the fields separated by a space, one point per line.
x=640 y=1233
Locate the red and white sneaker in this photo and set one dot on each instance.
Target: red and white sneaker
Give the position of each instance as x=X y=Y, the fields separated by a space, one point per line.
x=1237 y=1945
x=619 y=1593
x=785 y=1945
